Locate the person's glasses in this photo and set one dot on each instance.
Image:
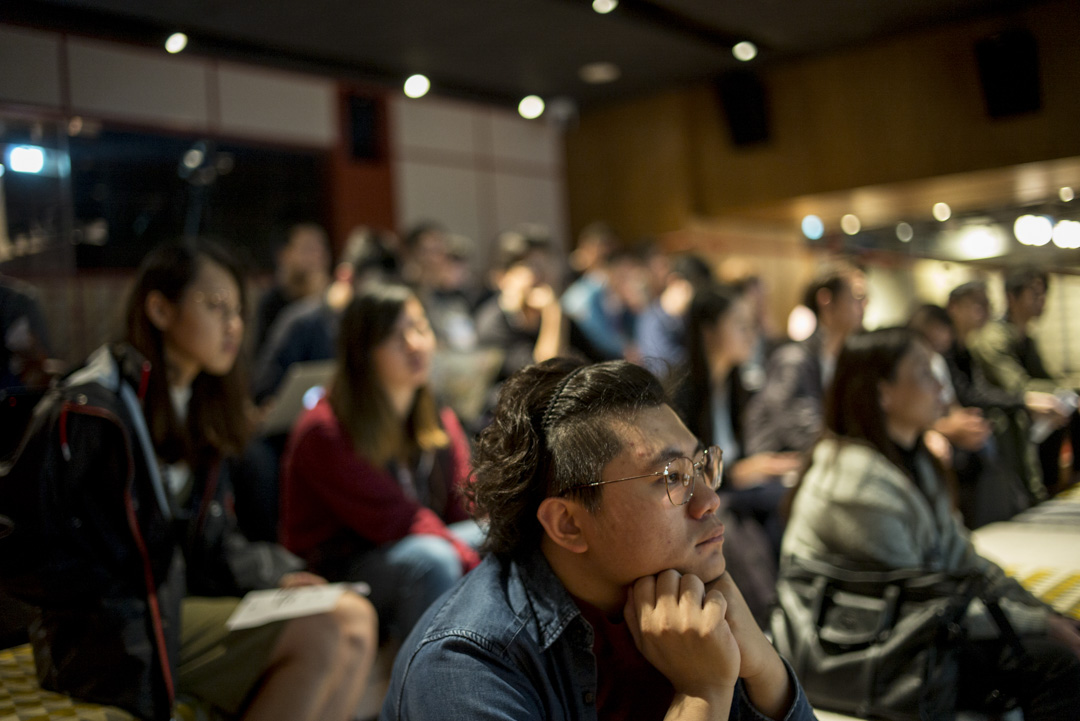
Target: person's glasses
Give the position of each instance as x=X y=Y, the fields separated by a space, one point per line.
x=680 y=475
x=217 y=304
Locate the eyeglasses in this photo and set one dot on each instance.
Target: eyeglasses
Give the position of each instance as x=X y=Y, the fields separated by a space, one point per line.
x=217 y=303
x=680 y=475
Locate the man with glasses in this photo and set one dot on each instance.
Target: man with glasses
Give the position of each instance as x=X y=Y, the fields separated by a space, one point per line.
x=604 y=592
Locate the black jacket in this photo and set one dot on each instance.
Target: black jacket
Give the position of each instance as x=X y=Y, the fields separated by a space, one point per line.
x=121 y=552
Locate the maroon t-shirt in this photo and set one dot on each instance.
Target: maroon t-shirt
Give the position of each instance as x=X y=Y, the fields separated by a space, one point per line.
x=627 y=686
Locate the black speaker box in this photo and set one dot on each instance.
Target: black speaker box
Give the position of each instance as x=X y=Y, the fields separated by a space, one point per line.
x=742 y=95
x=364 y=128
x=1009 y=73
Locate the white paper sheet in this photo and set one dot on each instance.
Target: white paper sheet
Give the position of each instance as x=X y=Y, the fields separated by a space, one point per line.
x=278 y=604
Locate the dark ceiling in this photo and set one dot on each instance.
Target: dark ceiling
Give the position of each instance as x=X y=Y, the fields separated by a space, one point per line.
x=501 y=50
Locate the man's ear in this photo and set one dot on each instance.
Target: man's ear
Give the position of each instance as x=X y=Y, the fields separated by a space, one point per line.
x=159 y=310
x=561 y=519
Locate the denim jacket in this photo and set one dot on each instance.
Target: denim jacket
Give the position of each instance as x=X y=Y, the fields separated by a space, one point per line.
x=508 y=642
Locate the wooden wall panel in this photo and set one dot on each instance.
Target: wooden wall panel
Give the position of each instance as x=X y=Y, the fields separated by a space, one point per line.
x=907 y=109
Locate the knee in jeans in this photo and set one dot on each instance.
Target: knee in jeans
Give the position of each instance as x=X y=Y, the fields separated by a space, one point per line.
x=436 y=559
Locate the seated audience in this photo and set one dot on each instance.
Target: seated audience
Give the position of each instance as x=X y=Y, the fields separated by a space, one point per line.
x=450 y=301
x=874 y=498
x=604 y=594
x=712 y=400
x=786 y=414
x=371 y=474
x=523 y=318
x=605 y=303
x=303 y=271
x=1010 y=359
x=660 y=332
x=987 y=490
x=138 y=606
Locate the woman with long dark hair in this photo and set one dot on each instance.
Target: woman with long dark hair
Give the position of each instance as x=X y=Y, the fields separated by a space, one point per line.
x=146 y=429
x=371 y=474
x=874 y=498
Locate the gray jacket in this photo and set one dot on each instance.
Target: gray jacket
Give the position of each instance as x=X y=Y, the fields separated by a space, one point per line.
x=856 y=508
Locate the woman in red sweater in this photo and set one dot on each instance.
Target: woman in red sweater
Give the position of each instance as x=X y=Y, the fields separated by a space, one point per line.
x=371 y=474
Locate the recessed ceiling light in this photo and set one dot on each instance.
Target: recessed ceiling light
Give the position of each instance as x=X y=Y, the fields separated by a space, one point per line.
x=850 y=224
x=176 y=43
x=531 y=107
x=597 y=73
x=1034 y=230
x=812 y=227
x=745 y=51
x=1067 y=234
x=604 y=6
x=1066 y=194
x=417 y=86
x=904 y=232
x=942 y=211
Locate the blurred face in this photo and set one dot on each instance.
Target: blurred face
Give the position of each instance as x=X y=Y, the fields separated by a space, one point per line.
x=912 y=400
x=637 y=531
x=849 y=304
x=733 y=336
x=403 y=360
x=304 y=256
x=202 y=332
x=970 y=312
x=1031 y=301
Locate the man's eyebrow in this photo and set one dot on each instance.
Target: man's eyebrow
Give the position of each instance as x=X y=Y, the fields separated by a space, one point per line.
x=671 y=452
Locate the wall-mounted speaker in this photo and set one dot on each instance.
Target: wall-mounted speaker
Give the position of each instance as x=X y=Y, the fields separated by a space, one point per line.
x=1009 y=73
x=363 y=128
x=742 y=96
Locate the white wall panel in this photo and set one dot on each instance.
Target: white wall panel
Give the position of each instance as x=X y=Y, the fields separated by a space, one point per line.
x=432 y=125
x=449 y=195
x=141 y=84
x=29 y=67
x=278 y=106
x=521 y=199
x=530 y=141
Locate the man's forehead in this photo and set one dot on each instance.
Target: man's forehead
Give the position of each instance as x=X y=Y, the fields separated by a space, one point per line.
x=653 y=433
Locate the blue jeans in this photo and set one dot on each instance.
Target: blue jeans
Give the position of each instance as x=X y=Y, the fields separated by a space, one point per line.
x=408 y=575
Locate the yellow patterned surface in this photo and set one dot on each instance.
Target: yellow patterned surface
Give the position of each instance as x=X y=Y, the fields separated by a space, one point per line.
x=1058 y=589
x=21 y=699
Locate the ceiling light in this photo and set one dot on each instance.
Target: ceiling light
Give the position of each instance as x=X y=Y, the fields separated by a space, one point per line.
x=850 y=224
x=597 y=73
x=26 y=159
x=417 y=86
x=176 y=43
x=942 y=211
x=812 y=227
x=745 y=51
x=1067 y=234
x=1034 y=230
x=604 y=6
x=904 y=232
x=1066 y=194
x=531 y=107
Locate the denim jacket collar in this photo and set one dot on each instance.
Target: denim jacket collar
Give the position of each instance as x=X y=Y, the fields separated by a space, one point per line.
x=551 y=603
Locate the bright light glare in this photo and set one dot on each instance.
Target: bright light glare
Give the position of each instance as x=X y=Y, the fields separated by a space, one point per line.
x=850 y=224
x=193 y=158
x=942 y=211
x=312 y=396
x=1066 y=194
x=801 y=323
x=904 y=232
x=530 y=107
x=979 y=242
x=812 y=227
x=1067 y=234
x=604 y=6
x=745 y=51
x=417 y=86
x=1033 y=230
x=176 y=43
x=26 y=159
x=2 y=171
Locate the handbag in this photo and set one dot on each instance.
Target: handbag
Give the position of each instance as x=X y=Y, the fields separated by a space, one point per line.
x=875 y=644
